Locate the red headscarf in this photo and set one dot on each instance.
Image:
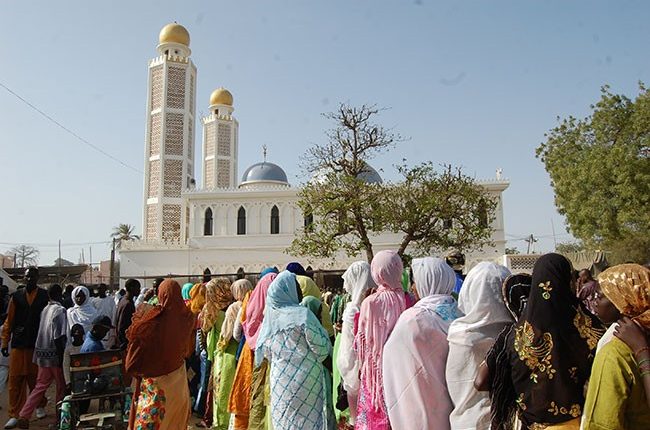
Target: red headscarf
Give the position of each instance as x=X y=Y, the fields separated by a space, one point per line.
x=159 y=336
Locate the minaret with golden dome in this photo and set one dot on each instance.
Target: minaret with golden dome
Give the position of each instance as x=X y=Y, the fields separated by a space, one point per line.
x=220 y=142
x=169 y=140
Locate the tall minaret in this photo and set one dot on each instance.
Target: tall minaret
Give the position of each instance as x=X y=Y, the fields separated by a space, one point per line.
x=220 y=142
x=169 y=141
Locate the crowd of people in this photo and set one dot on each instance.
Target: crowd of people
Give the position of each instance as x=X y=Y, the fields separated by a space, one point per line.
x=415 y=347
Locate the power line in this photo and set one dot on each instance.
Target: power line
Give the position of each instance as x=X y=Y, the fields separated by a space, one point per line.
x=67 y=130
x=52 y=245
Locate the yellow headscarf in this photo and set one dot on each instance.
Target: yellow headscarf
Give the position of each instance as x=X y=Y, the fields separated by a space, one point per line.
x=197 y=298
x=628 y=288
x=217 y=298
x=310 y=289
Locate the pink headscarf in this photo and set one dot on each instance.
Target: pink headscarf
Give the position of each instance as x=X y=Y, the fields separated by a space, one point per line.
x=255 y=310
x=377 y=318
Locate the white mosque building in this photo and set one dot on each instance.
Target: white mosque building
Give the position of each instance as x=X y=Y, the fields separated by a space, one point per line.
x=225 y=224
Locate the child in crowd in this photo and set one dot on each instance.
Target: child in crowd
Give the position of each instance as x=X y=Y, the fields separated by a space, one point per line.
x=101 y=326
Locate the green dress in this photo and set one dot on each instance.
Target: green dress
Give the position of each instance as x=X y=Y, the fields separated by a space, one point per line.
x=336 y=382
x=616 y=398
x=223 y=370
x=212 y=340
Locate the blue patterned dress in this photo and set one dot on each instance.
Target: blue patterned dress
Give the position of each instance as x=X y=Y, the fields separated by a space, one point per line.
x=298 y=384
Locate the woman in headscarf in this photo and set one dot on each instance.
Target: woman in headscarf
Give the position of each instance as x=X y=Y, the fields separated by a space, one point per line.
x=83 y=312
x=247 y=396
x=616 y=398
x=185 y=292
x=196 y=303
x=377 y=317
x=296 y=268
x=470 y=338
x=310 y=289
x=197 y=298
x=357 y=281
x=515 y=292
x=550 y=352
x=218 y=297
x=295 y=343
x=415 y=354
x=158 y=345
x=225 y=362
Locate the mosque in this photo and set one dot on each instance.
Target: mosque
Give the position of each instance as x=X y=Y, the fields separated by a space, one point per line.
x=227 y=224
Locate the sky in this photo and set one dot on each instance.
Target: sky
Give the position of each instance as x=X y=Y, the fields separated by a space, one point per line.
x=474 y=84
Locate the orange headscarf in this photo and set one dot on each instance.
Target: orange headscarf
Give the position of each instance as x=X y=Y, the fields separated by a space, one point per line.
x=157 y=337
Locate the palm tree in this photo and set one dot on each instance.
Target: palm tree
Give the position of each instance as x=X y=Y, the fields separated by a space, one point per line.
x=123 y=232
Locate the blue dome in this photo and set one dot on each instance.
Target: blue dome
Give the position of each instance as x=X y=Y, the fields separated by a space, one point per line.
x=370 y=175
x=264 y=172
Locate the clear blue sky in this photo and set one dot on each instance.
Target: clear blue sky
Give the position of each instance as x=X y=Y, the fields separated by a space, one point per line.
x=473 y=83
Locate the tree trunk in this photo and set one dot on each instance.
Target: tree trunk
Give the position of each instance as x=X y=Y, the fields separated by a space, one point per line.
x=369 y=254
x=405 y=243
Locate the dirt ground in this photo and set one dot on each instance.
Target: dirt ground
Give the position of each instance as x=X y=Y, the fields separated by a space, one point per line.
x=45 y=423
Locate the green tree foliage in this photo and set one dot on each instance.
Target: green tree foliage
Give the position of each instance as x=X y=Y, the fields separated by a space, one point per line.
x=600 y=172
x=438 y=210
x=342 y=204
x=431 y=210
x=569 y=247
x=123 y=232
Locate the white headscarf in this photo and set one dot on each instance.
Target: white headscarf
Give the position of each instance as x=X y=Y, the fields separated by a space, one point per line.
x=432 y=276
x=415 y=354
x=356 y=281
x=82 y=314
x=470 y=338
x=481 y=301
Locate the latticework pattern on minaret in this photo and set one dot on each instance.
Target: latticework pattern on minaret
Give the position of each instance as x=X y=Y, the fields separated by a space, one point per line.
x=191 y=93
x=209 y=139
x=223 y=173
x=190 y=140
x=176 y=87
x=154 y=178
x=187 y=222
x=152 y=221
x=209 y=174
x=171 y=223
x=224 y=140
x=173 y=179
x=174 y=134
x=156 y=88
x=155 y=134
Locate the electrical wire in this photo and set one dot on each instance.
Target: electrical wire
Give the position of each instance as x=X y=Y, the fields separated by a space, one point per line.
x=67 y=130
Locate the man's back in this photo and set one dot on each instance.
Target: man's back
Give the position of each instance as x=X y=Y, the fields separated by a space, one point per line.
x=125 y=311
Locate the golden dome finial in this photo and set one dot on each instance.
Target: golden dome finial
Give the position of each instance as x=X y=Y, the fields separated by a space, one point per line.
x=221 y=96
x=174 y=33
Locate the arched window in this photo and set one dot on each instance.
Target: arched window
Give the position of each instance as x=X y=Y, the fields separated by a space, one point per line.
x=309 y=221
x=241 y=274
x=207 y=275
x=483 y=219
x=208 y=223
x=241 y=220
x=275 y=220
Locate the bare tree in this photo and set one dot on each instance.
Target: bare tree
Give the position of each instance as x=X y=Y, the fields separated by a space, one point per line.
x=340 y=201
x=26 y=255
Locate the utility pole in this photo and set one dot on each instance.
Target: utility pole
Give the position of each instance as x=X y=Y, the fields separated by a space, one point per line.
x=531 y=240
x=59 y=261
x=112 y=266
